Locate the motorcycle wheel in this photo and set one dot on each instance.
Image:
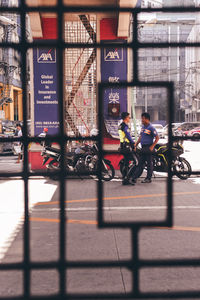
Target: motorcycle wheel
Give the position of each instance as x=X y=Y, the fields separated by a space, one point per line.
x=132 y=171
x=54 y=165
x=122 y=168
x=183 y=167
x=109 y=172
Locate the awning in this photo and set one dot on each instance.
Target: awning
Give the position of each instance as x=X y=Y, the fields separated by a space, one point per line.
x=123 y=18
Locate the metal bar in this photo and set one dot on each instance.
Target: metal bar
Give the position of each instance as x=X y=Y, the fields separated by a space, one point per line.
x=170 y=158
x=50 y=139
x=26 y=273
x=78 y=9
x=107 y=8
x=176 y=295
x=100 y=147
x=34 y=174
x=62 y=233
x=44 y=43
x=133 y=224
x=135 y=262
x=177 y=263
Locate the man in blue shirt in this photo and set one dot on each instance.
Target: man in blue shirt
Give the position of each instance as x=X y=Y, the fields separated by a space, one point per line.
x=148 y=139
x=126 y=143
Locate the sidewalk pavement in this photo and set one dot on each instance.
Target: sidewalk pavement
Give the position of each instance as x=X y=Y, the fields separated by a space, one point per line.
x=85 y=242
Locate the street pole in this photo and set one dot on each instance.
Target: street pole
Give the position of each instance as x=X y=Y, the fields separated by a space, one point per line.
x=146 y=95
x=133 y=98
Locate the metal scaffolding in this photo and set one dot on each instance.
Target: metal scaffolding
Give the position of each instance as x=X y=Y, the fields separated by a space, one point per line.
x=80 y=70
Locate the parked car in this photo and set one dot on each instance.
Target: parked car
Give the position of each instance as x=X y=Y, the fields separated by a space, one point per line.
x=7 y=129
x=166 y=128
x=194 y=132
x=186 y=127
x=160 y=130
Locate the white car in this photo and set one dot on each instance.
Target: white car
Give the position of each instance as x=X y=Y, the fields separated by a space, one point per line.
x=160 y=130
x=166 y=128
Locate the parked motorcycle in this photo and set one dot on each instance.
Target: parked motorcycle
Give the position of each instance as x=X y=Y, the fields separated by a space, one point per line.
x=132 y=163
x=83 y=160
x=160 y=161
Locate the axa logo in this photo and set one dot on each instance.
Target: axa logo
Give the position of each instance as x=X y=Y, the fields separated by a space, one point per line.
x=113 y=54
x=46 y=56
x=113 y=97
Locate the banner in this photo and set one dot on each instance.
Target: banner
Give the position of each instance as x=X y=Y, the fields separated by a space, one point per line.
x=46 y=97
x=114 y=70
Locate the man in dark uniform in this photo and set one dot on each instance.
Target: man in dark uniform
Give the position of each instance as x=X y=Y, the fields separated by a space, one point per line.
x=126 y=143
x=148 y=139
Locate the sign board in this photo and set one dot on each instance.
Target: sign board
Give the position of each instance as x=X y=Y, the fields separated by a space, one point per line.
x=46 y=97
x=114 y=70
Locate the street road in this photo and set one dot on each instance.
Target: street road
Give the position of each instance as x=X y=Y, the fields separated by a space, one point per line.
x=85 y=242
x=8 y=164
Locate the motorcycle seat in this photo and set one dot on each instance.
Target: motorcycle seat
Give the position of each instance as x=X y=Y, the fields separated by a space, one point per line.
x=56 y=150
x=161 y=148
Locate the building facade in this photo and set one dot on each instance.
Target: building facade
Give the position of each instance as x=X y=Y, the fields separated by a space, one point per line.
x=163 y=64
x=192 y=87
x=10 y=70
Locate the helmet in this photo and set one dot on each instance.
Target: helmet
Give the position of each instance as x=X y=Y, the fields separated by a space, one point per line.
x=94 y=132
x=45 y=129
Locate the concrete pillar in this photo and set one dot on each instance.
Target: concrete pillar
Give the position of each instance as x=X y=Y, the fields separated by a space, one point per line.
x=11 y=105
x=155 y=116
x=20 y=106
x=138 y=111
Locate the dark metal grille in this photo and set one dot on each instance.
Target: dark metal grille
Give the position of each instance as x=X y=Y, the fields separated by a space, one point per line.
x=135 y=264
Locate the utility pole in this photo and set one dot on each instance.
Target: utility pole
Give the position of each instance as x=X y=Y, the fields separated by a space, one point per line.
x=5 y=66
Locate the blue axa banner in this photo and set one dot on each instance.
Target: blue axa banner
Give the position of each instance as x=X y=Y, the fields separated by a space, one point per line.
x=114 y=70
x=45 y=91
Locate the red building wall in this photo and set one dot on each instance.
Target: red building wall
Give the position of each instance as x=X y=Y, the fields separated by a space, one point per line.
x=50 y=32
x=108 y=31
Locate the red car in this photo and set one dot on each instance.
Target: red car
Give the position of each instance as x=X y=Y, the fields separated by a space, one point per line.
x=194 y=132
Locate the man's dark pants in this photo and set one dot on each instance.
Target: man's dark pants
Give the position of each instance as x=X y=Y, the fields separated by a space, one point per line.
x=146 y=156
x=127 y=153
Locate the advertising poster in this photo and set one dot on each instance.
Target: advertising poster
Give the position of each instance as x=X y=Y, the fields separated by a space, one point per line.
x=114 y=70
x=46 y=110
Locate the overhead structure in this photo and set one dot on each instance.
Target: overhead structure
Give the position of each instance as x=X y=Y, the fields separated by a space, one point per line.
x=81 y=67
x=123 y=18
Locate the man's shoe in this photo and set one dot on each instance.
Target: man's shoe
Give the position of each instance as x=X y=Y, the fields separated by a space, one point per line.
x=132 y=181
x=146 y=180
x=125 y=182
